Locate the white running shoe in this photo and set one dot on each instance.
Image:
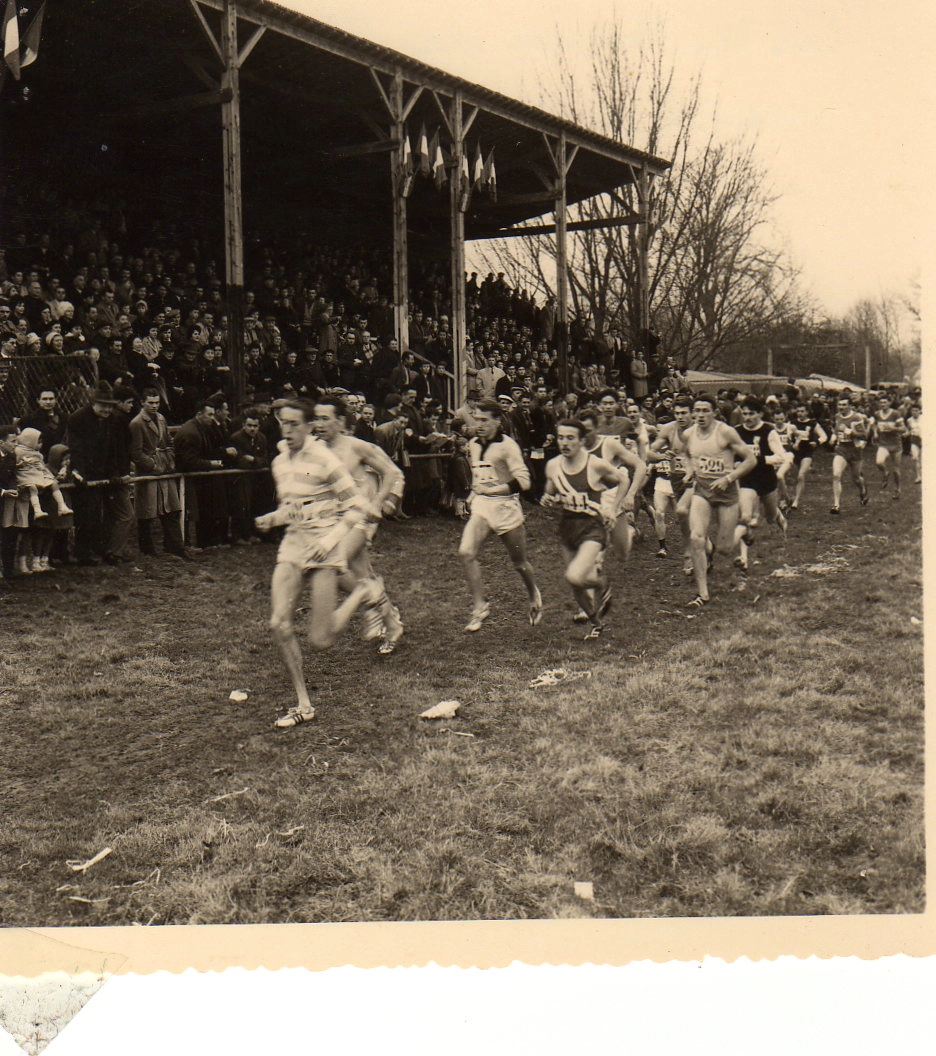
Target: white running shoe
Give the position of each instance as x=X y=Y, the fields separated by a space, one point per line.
x=478 y=617
x=294 y=717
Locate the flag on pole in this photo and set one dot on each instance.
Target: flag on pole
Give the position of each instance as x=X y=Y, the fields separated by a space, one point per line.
x=438 y=161
x=407 y=155
x=30 y=46
x=422 y=152
x=477 y=170
x=11 y=39
x=489 y=176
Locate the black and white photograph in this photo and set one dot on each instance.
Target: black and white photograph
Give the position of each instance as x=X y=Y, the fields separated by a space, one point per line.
x=459 y=465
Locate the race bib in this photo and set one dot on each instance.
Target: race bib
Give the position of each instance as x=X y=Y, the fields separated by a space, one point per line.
x=537 y=454
x=711 y=466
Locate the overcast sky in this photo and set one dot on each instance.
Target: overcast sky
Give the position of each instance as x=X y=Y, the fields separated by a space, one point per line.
x=833 y=90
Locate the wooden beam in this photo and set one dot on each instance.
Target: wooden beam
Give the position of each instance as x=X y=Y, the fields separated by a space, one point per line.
x=418 y=73
x=206 y=29
x=250 y=45
x=377 y=146
x=457 y=246
x=375 y=77
x=200 y=72
x=575 y=225
x=562 y=265
x=233 y=198
x=413 y=100
x=179 y=105
x=400 y=248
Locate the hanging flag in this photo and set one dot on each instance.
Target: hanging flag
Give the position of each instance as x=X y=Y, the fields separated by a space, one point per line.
x=407 y=155
x=11 y=39
x=30 y=47
x=422 y=152
x=489 y=176
x=464 y=184
x=438 y=162
x=477 y=170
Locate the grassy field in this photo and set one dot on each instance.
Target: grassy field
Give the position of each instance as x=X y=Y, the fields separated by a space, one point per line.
x=764 y=757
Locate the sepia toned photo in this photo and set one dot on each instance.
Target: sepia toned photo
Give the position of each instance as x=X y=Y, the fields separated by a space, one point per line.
x=457 y=472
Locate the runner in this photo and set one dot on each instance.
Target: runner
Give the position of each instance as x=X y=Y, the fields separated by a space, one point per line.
x=889 y=429
x=319 y=504
x=498 y=475
x=850 y=431
x=809 y=435
x=667 y=454
x=613 y=451
x=381 y=484
x=717 y=458
x=575 y=480
x=760 y=484
x=914 y=433
x=787 y=433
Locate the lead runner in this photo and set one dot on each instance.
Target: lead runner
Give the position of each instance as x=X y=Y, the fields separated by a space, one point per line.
x=319 y=505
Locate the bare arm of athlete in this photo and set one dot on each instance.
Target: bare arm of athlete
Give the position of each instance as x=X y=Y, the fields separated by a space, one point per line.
x=748 y=460
x=777 y=454
x=389 y=475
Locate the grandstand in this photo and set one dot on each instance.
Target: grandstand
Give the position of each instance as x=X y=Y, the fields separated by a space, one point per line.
x=241 y=117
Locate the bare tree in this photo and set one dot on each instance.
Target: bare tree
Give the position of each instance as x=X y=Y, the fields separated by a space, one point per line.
x=713 y=280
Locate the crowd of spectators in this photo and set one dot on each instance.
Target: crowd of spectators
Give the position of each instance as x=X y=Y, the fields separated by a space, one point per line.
x=149 y=326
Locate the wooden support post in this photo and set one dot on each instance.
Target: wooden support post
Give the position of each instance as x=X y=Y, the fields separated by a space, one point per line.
x=233 y=198
x=457 y=215
x=770 y=361
x=562 y=265
x=867 y=366
x=643 y=268
x=397 y=185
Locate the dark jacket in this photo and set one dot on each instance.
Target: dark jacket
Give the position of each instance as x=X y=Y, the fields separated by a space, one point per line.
x=99 y=447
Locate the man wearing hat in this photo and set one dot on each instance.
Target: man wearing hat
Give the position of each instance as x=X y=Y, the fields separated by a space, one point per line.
x=99 y=448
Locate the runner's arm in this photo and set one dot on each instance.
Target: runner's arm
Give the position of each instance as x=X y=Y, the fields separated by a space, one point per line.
x=390 y=475
x=778 y=454
x=822 y=437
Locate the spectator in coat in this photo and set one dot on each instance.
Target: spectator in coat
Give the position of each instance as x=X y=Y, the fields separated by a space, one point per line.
x=252 y=454
x=100 y=451
x=152 y=454
x=196 y=450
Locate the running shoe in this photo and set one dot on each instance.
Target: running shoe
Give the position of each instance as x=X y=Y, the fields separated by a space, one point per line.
x=392 y=634
x=662 y=551
x=536 y=609
x=835 y=509
x=294 y=717
x=604 y=603
x=741 y=565
x=594 y=632
x=863 y=495
x=580 y=617
x=698 y=602
x=478 y=617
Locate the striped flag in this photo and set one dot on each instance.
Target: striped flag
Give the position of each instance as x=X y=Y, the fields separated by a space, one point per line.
x=422 y=152
x=30 y=48
x=477 y=169
x=407 y=155
x=489 y=176
x=464 y=184
x=11 y=39
x=438 y=161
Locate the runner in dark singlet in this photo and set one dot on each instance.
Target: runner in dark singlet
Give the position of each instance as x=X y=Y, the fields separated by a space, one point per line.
x=575 y=481
x=809 y=435
x=760 y=484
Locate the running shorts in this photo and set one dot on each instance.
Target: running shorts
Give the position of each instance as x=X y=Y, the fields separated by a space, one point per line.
x=577 y=529
x=501 y=514
x=727 y=497
x=297 y=544
x=850 y=453
x=761 y=479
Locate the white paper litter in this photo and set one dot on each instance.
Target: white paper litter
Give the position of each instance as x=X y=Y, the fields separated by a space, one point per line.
x=238 y=695
x=445 y=709
x=554 y=675
x=585 y=889
x=79 y=867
